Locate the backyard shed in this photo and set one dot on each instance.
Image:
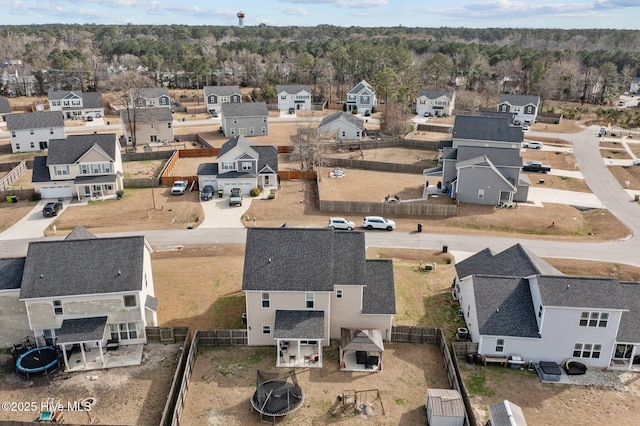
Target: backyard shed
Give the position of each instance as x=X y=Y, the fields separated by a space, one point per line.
x=445 y=407
x=506 y=413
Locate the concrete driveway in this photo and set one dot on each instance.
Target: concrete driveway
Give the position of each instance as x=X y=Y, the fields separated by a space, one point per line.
x=539 y=196
x=33 y=224
x=218 y=213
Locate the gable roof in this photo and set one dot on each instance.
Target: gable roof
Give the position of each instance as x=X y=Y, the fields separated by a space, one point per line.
x=221 y=90
x=629 y=330
x=515 y=261
x=34 y=120
x=149 y=115
x=445 y=403
x=11 y=273
x=434 y=94
x=89 y=99
x=302 y=259
x=485 y=162
x=83 y=267
x=80 y=233
x=149 y=92
x=486 y=128
x=379 y=295
x=292 y=89
x=519 y=100
x=238 y=141
x=244 y=109
x=5 y=107
x=363 y=85
x=267 y=157
x=71 y=149
x=351 y=119
x=580 y=292
x=504 y=306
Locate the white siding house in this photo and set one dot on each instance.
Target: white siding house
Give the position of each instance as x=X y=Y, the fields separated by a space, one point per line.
x=362 y=97
x=343 y=126
x=297 y=97
x=435 y=103
x=32 y=131
x=215 y=96
x=524 y=107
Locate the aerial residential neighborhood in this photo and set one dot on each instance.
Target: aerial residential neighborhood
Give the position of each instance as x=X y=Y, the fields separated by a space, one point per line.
x=385 y=234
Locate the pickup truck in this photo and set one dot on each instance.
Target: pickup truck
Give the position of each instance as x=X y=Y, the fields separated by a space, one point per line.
x=179 y=187
x=235 y=199
x=535 y=166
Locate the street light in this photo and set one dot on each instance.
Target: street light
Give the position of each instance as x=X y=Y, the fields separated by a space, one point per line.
x=153 y=197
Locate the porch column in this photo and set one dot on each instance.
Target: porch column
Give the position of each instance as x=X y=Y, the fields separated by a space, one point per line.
x=101 y=352
x=633 y=354
x=64 y=356
x=83 y=355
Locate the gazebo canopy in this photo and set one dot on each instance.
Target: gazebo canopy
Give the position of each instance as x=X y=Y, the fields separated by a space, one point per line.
x=361 y=340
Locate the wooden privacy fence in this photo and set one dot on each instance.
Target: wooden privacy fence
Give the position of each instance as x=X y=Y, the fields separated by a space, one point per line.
x=178 y=383
x=407 y=209
x=21 y=194
x=411 y=334
x=297 y=174
x=222 y=337
x=166 y=334
x=391 y=143
x=375 y=165
x=147 y=155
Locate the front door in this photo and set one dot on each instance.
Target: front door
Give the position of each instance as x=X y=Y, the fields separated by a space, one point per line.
x=242 y=131
x=43 y=144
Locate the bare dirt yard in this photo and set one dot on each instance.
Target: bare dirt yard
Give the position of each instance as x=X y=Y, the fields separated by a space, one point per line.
x=128 y=395
x=625 y=174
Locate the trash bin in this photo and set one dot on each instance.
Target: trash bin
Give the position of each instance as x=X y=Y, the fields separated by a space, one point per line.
x=470 y=357
x=445 y=249
x=220 y=193
x=419 y=227
x=184 y=119
x=11 y=198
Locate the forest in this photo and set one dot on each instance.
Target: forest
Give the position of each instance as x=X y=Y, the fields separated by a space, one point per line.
x=593 y=65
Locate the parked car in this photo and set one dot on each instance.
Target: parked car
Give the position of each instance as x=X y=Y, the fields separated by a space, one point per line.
x=179 y=187
x=525 y=127
x=52 y=209
x=207 y=193
x=89 y=118
x=535 y=166
x=533 y=145
x=214 y=114
x=636 y=162
x=235 y=199
x=427 y=114
x=292 y=111
x=367 y=113
x=341 y=223
x=378 y=222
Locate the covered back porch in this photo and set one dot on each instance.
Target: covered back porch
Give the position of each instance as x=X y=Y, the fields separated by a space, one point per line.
x=299 y=336
x=626 y=356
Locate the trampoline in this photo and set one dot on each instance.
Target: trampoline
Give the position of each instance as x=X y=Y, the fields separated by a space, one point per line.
x=276 y=394
x=38 y=360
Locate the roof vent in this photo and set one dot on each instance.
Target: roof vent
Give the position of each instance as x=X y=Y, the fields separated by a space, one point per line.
x=41 y=276
x=568 y=285
x=497 y=309
x=269 y=260
x=119 y=272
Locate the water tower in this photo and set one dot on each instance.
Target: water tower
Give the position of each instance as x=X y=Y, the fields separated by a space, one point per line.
x=241 y=19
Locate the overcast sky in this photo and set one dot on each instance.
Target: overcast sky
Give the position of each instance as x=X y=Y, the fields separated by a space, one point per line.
x=566 y=14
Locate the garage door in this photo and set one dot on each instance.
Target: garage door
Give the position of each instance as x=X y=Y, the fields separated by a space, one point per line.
x=202 y=181
x=246 y=187
x=56 y=191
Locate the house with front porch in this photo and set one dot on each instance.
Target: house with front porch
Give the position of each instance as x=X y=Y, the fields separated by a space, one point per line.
x=82 y=166
x=342 y=126
x=215 y=96
x=362 y=97
x=32 y=131
x=435 y=103
x=244 y=119
x=241 y=164
x=304 y=286
x=85 y=294
x=515 y=303
x=296 y=96
x=76 y=105
x=150 y=125
x=524 y=107
x=147 y=97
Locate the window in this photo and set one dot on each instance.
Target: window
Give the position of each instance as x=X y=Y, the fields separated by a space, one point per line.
x=309 y=300
x=57 y=307
x=130 y=301
x=267 y=182
x=503 y=108
x=540 y=312
x=480 y=194
x=246 y=165
x=623 y=351
x=586 y=350
x=266 y=329
x=594 y=319
x=123 y=331
x=32 y=144
x=339 y=293
x=528 y=110
x=365 y=99
x=61 y=170
x=13 y=134
x=265 y=300
x=228 y=165
x=153 y=138
x=50 y=131
x=31 y=131
x=500 y=345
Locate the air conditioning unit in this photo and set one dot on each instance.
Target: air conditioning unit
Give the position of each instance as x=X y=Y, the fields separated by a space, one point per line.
x=463 y=333
x=454 y=295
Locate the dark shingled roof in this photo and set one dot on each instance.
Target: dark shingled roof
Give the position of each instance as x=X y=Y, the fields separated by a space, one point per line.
x=581 y=292
x=83 y=267
x=40 y=172
x=69 y=150
x=433 y=94
x=34 y=120
x=5 y=107
x=361 y=86
x=307 y=325
x=89 y=99
x=349 y=118
x=244 y=109
x=379 y=296
x=149 y=115
x=292 y=89
x=267 y=157
x=221 y=90
x=501 y=157
x=504 y=306
x=150 y=92
x=301 y=259
x=207 y=169
x=11 y=273
x=519 y=100
x=629 y=330
x=80 y=330
x=151 y=303
x=516 y=261
x=80 y=233
x=486 y=129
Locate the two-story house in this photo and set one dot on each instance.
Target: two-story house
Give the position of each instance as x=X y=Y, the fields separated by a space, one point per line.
x=32 y=131
x=435 y=103
x=515 y=303
x=362 y=97
x=84 y=166
x=296 y=97
x=306 y=286
x=76 y=104
x=634 y=86
x=241 y=164
x=150 y=125
x=215 y=96
x=83 y=291
x=342 y=126
x=145 y=97
x=244 y=119
x=483 y=163
x=524 y=107
x=5 y=108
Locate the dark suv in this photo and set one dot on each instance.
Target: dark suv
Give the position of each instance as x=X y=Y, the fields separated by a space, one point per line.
x=52 y=209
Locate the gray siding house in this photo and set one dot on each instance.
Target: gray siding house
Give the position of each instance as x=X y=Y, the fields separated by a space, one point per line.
x=245 y=119
x=215 y=96
x=342 y=126
x=524 y=107
x=76 y=105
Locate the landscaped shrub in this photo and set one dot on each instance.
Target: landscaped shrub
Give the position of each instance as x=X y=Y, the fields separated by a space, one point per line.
x=119 y=193
x=271 y=196
x=254 y=192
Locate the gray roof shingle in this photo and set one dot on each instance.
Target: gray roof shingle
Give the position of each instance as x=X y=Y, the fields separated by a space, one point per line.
x=5 y=107
x=379 y=296
x=244 y=109
x=221 y=90
x=349 y=118
x=89 y=99
x=362 y=86
x=83 y=267
x=150 y=92
x=80 y=330
x=148 y=115
x=292 y=89
x=34 y=120
x=581 y=292
x=40 y=172
x=486 y=129
x=519 y=100
x=69 y=150
x=434 y=94
x=504 y=306
x=11 y=273
x=207 y=169
x=629 y=330
x=267 y=157
x=80 y=233
x=299 y=325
